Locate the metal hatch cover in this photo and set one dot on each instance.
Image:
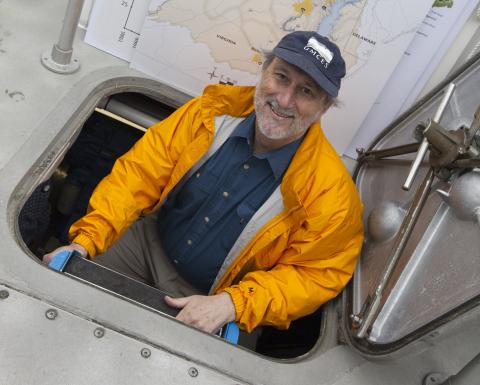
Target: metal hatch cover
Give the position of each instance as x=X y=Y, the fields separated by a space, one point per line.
x=420 y=185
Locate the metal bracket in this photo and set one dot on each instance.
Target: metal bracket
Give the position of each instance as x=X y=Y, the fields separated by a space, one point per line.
x=59 y=61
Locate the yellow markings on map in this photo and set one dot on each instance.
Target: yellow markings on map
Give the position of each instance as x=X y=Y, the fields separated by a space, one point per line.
x=230 y=28
x=257 y=58
x=303 y=8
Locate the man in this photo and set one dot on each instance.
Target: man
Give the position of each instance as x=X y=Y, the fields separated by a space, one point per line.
x=256 y=219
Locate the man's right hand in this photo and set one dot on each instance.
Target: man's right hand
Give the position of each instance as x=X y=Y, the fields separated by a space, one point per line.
x=72 y=247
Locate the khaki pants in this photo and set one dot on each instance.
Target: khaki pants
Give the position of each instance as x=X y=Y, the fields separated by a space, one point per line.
x=139 y=254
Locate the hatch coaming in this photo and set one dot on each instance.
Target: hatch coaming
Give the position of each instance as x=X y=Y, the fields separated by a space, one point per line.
x=438 y=270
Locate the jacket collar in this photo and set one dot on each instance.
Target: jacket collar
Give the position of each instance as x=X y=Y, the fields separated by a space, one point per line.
x=221 y=99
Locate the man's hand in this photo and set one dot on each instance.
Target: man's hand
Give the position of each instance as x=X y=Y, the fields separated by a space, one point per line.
x=207 y=313
x=74 y=246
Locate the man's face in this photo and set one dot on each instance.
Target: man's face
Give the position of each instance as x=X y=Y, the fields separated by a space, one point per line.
x=287 y=102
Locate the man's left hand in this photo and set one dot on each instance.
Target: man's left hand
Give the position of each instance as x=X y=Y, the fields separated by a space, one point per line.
x=207 y=313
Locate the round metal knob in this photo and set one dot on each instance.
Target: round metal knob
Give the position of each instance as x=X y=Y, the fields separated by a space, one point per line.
x=385 y=220
x=464 y=196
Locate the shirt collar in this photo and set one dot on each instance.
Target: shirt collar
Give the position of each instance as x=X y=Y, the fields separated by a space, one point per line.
x=278 y=159
x=246 y=128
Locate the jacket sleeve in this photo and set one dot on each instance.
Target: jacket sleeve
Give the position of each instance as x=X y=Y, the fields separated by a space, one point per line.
x=136 y=181
x=316 y=262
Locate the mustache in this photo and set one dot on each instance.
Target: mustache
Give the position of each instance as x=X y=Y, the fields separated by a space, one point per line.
x=284 y=111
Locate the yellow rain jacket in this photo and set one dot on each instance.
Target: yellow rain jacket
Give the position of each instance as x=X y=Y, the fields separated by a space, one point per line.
x=303 y=249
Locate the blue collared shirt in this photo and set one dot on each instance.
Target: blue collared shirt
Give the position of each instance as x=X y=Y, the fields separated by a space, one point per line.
x=200 y=223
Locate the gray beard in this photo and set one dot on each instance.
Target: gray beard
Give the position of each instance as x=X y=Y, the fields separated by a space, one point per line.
x=298 y=126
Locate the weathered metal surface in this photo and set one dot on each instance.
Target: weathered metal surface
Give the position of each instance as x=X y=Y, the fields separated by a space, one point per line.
x=53 y=346
x=97 y=337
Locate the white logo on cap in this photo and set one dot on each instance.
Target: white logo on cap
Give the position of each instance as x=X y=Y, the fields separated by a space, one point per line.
x=319 y=50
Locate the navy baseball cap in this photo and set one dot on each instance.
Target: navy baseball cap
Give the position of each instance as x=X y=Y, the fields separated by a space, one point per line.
x=316 y=55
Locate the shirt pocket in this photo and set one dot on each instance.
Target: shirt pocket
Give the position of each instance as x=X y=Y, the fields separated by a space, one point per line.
x=201 y=183
x=204 y=180
x=195 y=191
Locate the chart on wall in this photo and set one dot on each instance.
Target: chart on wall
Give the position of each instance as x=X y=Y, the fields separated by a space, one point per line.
x=115 y=26
x=189 y=44
x=430 y=44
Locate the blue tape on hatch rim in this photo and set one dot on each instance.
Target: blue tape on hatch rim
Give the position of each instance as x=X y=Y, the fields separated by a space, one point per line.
x=59 y=260
x=231 y=332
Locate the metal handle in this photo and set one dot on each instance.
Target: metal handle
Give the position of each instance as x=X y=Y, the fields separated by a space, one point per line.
x=422 y=151
x=365 y=318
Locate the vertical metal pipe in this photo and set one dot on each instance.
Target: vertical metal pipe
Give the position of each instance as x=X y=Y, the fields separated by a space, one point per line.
x=72 y=16
x=60 y=59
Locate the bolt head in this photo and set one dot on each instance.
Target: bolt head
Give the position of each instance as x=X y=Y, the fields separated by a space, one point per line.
x=145 y=353
x=4 y=294
x=99 y=332
x=193 y=372
x=434 y=378
x=51 y=314
x=355 y=318
x=360 y=150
